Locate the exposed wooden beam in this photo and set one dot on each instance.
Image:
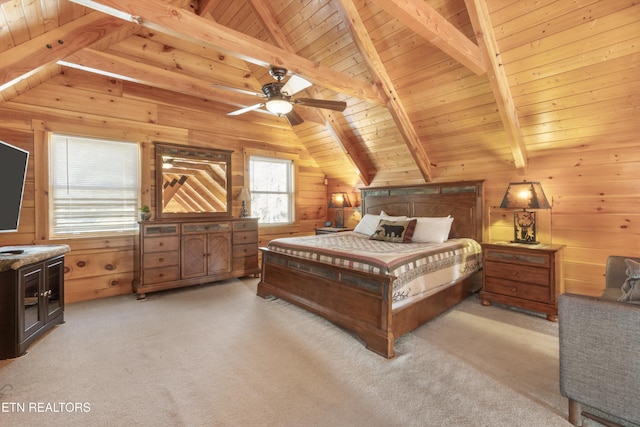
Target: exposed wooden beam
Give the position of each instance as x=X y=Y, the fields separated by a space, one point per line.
x=368 y=51
x=134 y=71
x=31 y=56
x=190 y=27
x=481 y=23
x=425 y=21
x=205 y=6
x=329 y=119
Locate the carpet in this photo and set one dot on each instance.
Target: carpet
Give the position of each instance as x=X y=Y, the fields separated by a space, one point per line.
x=218 y=355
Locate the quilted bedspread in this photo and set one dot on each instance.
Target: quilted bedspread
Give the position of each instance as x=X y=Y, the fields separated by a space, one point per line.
x=418 y=267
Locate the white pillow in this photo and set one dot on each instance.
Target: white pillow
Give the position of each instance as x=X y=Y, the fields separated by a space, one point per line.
x=383 y=215
x=368 y=224
x=433 y=230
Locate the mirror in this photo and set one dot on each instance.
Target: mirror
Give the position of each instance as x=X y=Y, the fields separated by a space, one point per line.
x=192 y=181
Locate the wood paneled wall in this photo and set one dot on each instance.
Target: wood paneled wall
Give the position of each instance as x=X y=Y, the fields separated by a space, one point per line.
x=595 y=196
x=86 y=104
x=595 y=189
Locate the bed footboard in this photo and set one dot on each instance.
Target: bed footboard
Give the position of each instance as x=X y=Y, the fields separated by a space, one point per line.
x=357 y=301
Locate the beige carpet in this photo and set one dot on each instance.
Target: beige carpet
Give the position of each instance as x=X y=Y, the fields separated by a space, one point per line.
x=218 y=355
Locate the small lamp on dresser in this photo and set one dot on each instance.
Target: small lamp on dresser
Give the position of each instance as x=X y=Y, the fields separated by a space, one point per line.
x=244 y=197
x=339 y=201
x=524 y=195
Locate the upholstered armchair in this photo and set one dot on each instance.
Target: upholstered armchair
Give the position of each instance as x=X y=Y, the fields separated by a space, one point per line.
x=600 y=352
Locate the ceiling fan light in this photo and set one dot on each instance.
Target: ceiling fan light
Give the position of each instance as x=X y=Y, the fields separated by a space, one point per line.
x=279 y=106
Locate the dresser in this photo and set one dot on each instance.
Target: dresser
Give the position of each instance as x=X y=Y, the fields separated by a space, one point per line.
x=172 y=254
x=522 y=275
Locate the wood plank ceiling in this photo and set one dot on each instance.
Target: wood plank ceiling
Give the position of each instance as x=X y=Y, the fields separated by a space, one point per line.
x=429 y=85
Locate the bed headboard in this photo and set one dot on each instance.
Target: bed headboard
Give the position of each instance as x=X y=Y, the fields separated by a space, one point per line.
x=462 y=200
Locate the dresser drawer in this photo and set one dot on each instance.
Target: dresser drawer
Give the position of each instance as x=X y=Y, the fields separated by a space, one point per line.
x=521 y=273
x=245 y=250
x=158 y=275
x=205 y=227
x=241 y=237
x=160 y=259
x=517 y=289
x=535 y=259
x=245 y=225
x=161 y=244
x=160 y=229
x=246 y=263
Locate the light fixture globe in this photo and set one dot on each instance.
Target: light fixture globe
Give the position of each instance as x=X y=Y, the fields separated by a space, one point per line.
x=279 y=105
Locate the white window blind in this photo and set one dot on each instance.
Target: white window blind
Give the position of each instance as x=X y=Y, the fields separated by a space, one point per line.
x=271 y=187
x=94 y=186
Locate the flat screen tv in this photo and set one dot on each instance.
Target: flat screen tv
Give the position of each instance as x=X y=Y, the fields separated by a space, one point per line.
x=13 y=171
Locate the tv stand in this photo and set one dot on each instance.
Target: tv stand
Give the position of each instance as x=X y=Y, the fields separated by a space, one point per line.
x=31 y=295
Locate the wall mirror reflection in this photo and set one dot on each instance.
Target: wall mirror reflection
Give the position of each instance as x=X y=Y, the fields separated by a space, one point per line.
x=192 y=181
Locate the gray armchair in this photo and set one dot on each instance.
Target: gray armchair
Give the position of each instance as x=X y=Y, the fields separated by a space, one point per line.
x=600 y=353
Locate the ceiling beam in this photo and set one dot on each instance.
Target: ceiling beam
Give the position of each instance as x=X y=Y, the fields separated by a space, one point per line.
x=341 y=137
x=30 y=57
x=205 y=6
x=368 y=51
x=108 y=64
x=190 y=27
x=481 y=23
x=425 y=21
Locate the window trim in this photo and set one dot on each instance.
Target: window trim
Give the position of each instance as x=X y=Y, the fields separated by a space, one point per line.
x=295 y=159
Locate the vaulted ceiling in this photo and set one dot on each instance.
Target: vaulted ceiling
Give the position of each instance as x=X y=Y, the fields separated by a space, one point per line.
x=429 y=85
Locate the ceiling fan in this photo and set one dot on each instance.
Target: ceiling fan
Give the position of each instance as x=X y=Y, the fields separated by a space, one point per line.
x=278 y=97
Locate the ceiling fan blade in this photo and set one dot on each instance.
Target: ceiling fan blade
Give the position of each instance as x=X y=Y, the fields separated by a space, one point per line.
x=294 y=85
x=321 y=103
x=294 y=118
x=235 y=89
x=246 y=109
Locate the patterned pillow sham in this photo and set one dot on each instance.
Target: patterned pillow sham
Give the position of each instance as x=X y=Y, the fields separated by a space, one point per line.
x=394 y=231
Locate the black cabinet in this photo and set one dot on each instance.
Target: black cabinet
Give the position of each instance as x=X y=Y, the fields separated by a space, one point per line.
x=31 y=303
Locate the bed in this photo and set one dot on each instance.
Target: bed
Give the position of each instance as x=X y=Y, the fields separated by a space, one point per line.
x=361 y=299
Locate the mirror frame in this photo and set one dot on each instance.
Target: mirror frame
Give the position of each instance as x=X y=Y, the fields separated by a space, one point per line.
x=195 y=153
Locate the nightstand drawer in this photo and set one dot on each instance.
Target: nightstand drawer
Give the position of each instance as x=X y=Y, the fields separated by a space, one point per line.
x=518 y=289
x=535 y=259
x=520 y=273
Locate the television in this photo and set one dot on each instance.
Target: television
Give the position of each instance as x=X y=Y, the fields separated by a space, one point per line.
x=13 y=172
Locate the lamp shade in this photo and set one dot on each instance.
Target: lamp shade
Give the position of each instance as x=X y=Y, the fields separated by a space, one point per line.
x=244 y=195
x=525 y=195
x=339 y=200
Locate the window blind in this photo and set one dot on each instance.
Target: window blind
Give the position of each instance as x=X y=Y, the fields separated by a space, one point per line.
x=94 y=186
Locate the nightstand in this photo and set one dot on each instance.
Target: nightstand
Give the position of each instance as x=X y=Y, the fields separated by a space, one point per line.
x=522 y=275
x=330 y=230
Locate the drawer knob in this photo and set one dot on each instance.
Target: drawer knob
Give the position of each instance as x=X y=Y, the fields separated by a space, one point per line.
x=161 y=243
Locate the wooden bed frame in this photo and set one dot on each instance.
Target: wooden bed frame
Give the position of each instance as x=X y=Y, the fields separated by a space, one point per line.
x=361 y=302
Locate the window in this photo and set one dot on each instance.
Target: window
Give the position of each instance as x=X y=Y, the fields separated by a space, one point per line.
x=271 y=186
x=93 y=186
